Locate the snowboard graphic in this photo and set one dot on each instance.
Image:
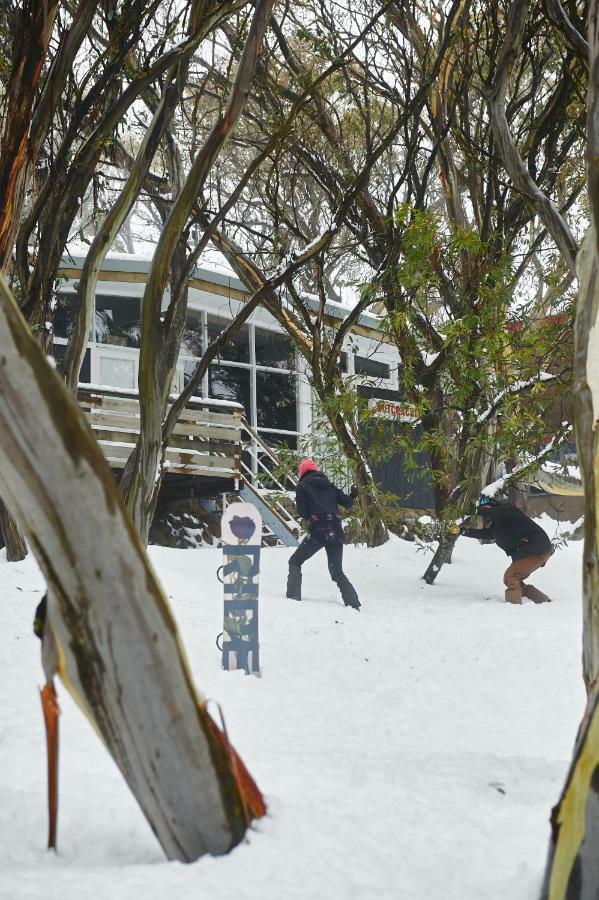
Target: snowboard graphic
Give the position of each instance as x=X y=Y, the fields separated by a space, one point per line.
x=241 y=531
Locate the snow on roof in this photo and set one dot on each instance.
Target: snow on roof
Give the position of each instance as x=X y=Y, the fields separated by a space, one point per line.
x=213 y=268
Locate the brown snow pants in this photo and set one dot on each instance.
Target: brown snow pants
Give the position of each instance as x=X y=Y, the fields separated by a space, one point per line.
x=514 y=579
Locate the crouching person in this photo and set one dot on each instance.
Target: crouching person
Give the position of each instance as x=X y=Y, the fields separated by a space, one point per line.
x=521 y=538
x=317 y=501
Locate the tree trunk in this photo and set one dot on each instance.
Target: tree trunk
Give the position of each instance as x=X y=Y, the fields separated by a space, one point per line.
x=441 y=557
x=372 y=519
x=469 y=480
x=109 y=229
x=518 y=495
x=141 y=483
x=586 y=414
x=33 y=21
x=16 y=548
x=109 y=632
x=572 y=865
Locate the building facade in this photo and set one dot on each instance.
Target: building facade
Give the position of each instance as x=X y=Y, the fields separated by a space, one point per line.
x=259 y=367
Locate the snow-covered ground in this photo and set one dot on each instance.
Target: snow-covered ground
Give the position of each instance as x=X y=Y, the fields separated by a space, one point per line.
x=411 y=751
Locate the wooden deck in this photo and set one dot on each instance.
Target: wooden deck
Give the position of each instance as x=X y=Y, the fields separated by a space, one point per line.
x=206 y=441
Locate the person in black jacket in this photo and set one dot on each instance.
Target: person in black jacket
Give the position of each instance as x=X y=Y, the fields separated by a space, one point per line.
x=519 y=537
x=317 y=500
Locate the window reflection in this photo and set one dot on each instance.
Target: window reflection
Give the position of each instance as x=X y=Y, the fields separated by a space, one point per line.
x=237 y=348
x=117 y=321
x=191 y=343
x=278 y=441
x=65 y=313
x=58 y=352
x=276 y=400
x=363 y=365
x=189 y=367
x=230 y=383
x=274 y=350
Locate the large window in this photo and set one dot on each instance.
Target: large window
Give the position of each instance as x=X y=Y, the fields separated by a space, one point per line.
x=230 y=383
x=65 y=314
x=237 y=348
x=363 y=365
x=257 y=368
x=58 y=352
x=276 y=400
x=192 y=343
x=117 y=321
x=274 y=350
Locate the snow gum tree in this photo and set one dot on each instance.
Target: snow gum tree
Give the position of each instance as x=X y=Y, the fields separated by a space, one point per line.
x=418 y=127
x=109 y=633
x=572 y=868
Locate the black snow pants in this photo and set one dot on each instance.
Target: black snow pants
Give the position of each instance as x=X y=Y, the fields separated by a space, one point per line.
x=334 y=550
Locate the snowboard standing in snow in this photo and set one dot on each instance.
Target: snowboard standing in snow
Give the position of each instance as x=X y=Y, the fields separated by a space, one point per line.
x=241 y=531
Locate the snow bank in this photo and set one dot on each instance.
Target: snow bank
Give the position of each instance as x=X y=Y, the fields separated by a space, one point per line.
x=413 y=750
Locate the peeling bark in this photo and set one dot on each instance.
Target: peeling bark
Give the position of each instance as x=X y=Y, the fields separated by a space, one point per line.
x=33 y=29
x=586 y=414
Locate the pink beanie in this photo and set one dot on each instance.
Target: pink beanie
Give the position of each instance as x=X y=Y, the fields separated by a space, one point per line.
x=307 y=465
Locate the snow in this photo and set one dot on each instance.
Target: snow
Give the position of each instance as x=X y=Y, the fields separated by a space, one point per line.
x=555 y=468
x=412 y=750
x=514 y=388
x=211 y=259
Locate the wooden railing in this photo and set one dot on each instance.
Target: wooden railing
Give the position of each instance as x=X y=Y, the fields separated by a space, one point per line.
x=206 y=440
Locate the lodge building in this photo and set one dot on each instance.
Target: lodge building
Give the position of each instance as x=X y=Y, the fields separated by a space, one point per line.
x=259 y=376
x=259 y=372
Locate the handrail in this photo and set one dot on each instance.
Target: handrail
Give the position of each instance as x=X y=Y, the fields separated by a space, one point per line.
x=258 y=439
x=264 y=469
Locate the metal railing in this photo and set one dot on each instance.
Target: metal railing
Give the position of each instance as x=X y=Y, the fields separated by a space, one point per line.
x=258 y=473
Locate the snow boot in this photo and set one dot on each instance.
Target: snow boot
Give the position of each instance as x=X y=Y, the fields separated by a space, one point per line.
x=535 y=594
x=294 y=583
x=348 y=594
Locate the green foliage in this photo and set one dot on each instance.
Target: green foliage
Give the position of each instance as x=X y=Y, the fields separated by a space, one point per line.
x=486 y=397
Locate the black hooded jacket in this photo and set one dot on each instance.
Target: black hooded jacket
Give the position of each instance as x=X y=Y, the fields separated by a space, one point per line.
x=315 y=495
x=512 y=530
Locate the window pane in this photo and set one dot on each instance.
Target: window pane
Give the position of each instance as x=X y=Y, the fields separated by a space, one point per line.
x=191 y=344
x=276 y=441
x=64 y=314
x=117 y=321
x=58 y=352
x=228 y=383
x=117 y=372
x=237 y=348
x=277 y=400
x=273 y=349
x=189 y=367
x=365 y=366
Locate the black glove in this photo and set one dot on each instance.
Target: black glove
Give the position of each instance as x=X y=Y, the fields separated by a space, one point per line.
x=353 y=492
